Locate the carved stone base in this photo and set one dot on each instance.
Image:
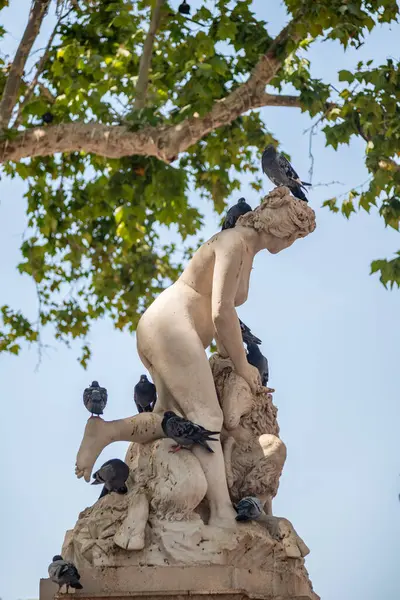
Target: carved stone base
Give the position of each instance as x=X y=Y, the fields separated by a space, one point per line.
x=285 y=581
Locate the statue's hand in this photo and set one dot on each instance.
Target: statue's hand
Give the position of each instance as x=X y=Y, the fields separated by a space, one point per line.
x=252 y=376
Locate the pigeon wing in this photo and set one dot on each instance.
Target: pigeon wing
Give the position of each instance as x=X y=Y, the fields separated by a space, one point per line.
x=287 y=168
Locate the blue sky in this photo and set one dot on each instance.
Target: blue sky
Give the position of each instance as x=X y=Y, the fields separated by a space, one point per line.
x=332 y=336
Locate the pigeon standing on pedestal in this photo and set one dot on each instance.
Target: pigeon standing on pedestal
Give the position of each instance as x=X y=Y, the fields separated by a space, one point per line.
x=249 y=508
x=64 y=573
x=248 y=337
x=236 y=211
x=279 y=170
x=185 y=433
x=113 y=474
x=145 y=395
x=256 y=358
x=95 y=398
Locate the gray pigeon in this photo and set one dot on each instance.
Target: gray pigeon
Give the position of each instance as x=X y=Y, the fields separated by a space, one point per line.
x=249 y=508
x=145 y=395
x=113 y=474
x=236 y=211
x=185 y=433
x=64 y=573
x=248 y=337
x=95 y=398
x=279 y=170
x=256 y=358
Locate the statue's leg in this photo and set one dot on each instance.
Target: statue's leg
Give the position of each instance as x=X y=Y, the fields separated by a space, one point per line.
x=142 y=428
x=186 y=372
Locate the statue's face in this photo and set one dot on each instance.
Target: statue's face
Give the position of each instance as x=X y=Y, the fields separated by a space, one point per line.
x=276 y=244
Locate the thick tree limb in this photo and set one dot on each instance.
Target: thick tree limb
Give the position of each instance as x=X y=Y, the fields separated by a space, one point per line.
x=42 y=61
x=163 y=142
x=145 y=60
x=11 y=89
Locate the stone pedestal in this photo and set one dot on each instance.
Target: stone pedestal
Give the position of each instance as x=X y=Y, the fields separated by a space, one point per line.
x=286 y=581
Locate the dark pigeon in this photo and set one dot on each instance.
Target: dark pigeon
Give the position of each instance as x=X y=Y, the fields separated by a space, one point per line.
x=248 y=337
x=184 y=8
x=64 y=573
x=256 y=358
x=249 y=508
x=113 y=474
x=145 y=395
x=279 y=170
x=95 y=398
x=185 y=433
x=236 y=211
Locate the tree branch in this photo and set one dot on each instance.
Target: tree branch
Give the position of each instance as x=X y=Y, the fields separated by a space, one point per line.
x=163 y=142
x=11 y=89
x=145 y=60
x=42 y=61
x=279 y=100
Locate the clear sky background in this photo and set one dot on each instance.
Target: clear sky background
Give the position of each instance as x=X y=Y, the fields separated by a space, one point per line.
x=332 y=336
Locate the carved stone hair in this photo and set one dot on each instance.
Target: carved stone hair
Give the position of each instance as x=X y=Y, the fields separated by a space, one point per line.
x=281 y=215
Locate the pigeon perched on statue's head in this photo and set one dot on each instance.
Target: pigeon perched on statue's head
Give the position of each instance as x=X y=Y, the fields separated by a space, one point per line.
x=144 y=395
x=249 y=508
x=279 y=170
x=186 y=433
x=95 y=398
x=236 y=211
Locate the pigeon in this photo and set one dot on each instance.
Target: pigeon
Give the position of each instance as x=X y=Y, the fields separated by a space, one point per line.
x=236 y=211
x=145 y=395
x=184 y=8
x=249 y=508
x=248 y=337
x=279 y=170
x=113 y=474
x=256 y=358
x=185 y=433
x=47 y=118
x=64 y=573
x=95 y=398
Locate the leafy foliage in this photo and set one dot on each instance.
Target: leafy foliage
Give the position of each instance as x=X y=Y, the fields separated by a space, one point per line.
x=96 y=225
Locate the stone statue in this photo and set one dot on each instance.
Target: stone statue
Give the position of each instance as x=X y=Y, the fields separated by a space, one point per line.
x=178 y=510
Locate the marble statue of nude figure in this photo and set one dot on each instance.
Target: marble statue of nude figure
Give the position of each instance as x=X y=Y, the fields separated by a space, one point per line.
x=180 y=324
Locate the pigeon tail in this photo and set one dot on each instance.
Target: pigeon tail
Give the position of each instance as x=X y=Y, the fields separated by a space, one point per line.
x=203 y=443
x=298 y=193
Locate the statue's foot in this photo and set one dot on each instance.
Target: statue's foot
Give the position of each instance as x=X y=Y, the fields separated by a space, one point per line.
x=95 y=439
x=226 y=519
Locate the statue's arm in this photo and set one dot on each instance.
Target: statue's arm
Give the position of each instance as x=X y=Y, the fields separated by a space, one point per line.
x=227 y=271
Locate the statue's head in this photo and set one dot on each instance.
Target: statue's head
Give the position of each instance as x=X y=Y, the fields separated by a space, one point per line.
x=281 y=216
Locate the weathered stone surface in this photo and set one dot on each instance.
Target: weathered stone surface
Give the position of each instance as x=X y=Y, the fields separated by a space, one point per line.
x=282 y=581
